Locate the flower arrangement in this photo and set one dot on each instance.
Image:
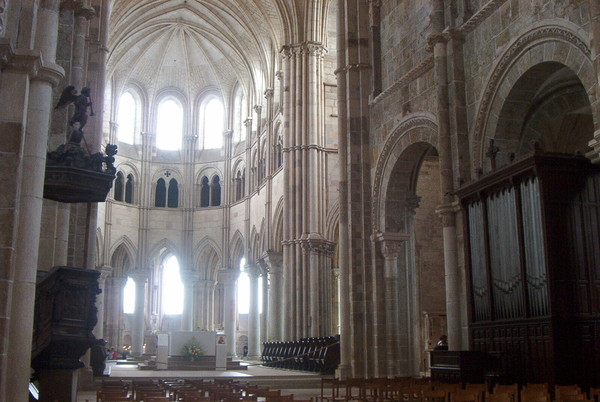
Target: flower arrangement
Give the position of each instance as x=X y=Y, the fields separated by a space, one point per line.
x=192 y=349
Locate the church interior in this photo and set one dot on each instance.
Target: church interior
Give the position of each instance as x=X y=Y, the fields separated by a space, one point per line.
x=380 y=173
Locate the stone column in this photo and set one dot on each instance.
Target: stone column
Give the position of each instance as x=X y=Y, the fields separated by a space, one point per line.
x=320 y=300
x=273 y=262
x=446 y=210
x=189 y=284
x=44 y=74
x=355 y=153
x=99 y=328
x=228 y=278
x=138 y=328
x=253 y=272
x=264 y=273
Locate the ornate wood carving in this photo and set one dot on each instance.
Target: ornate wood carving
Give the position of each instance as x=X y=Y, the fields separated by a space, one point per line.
x=65 y=315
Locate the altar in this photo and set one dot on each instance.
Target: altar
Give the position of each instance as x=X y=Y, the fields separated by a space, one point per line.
x=172 y=354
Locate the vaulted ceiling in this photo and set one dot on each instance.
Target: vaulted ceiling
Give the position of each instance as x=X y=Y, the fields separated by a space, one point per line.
x=192 y=45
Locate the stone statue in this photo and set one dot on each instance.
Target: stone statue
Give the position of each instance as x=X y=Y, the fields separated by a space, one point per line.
x=82 y=102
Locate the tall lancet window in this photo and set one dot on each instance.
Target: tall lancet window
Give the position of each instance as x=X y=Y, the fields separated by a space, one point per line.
x=212 y=116
x=129 y=189
x=126 y=118
x=204 y=193
x=160 y=194
x=118 y=187
x=169 y=124
x=129 y=296
x=173 y=195
x=215 y=192
x=172 y=287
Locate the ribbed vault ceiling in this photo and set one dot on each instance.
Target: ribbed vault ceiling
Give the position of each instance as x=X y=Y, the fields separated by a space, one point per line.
x=191 y=45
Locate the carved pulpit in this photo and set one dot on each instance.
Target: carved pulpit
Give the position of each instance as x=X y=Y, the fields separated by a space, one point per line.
x=64 y=318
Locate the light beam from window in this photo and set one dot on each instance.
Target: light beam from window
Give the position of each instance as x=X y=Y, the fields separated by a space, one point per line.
x=172 y=287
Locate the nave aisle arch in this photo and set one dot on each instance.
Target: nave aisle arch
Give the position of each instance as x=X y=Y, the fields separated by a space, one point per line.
x=556 y=41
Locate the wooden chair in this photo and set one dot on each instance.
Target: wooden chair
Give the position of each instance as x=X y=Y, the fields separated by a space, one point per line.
x=186 y=398
x=102 y=396
x=331 y=389
x=568 y=393
x=355 y=389
x=439 y=395
x=406 y=392
x=113 y=398
x=499 y=397
x=466 y=395
x=535 y=395
x=595 y=394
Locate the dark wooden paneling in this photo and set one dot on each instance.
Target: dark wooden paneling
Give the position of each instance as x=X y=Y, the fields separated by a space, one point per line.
x=556 y=337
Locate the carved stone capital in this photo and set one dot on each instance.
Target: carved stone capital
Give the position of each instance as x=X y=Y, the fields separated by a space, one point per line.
x=435 y=38
x=105 y=272
x=269 y=93
x=30 y=62
x=228 y=276
x=189 y=278
x=253 y=270
x=248 y=122
x=227 y=133
x=412 y=202
x=390 y=243
x=79 y=7
x=448 y=213
x=315 y=243
x=139 y=276
x=258 y=109
x=85 y=11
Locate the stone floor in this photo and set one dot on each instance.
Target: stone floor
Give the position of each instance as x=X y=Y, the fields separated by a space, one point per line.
x=302 y=385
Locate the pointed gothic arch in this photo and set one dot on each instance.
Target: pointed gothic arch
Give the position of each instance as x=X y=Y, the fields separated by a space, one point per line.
x=277 y=232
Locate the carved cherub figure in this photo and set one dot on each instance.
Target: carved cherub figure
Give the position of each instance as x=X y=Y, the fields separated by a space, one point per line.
x=82 y=102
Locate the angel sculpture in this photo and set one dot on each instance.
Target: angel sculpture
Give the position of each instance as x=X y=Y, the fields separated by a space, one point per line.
x=82 y=102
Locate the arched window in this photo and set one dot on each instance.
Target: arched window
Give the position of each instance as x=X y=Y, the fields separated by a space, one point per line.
x=169 y=124
x=129 y=296
x=204 y=193
x=240 y=184
x=212 y=117
x=173 y=198
x=160 y=196
x=126 y=118
x=119 y=187
x=279 y=152
x=215 y=192
x=172 y=287
x=129 y=189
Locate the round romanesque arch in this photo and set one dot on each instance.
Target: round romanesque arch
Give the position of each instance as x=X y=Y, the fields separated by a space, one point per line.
x=416 y=129
x=558 y=57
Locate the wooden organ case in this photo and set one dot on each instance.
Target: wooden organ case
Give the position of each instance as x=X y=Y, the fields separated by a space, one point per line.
x=532 y=236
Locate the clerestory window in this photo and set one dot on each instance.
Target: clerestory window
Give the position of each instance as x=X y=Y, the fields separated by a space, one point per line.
x=169 y=124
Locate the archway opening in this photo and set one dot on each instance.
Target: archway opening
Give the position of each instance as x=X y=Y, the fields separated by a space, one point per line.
x=548 y=107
